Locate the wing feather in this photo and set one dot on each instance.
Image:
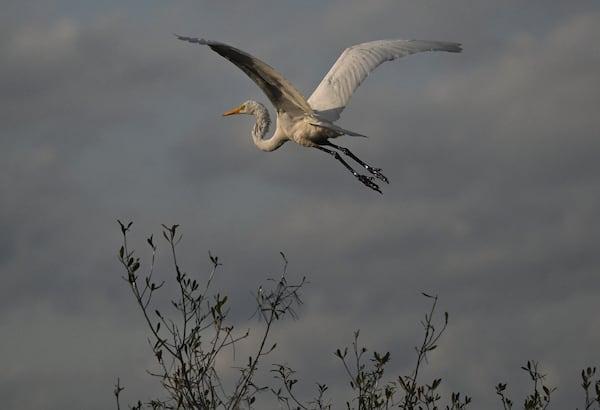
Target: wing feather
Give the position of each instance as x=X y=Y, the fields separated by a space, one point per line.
x=280 y=91
x=354 y=65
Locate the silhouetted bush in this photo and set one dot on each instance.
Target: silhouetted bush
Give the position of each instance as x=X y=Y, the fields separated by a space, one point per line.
x=186 y=347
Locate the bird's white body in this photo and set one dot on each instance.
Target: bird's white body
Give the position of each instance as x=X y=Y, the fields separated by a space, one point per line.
x=305 y=131
x=310 y=122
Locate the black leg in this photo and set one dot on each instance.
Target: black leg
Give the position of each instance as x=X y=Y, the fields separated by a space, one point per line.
x=374 y=171
x=368 y=181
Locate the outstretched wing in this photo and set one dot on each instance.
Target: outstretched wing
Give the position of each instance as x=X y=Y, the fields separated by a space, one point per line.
x=280 y=92
x=354 y=65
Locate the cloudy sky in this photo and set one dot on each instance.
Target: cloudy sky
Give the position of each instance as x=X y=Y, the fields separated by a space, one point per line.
x=493 y=201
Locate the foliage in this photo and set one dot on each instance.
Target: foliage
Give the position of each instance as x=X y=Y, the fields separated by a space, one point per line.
x=371 y=391
x=539 y=398
x=587 y=376
x=187 y=347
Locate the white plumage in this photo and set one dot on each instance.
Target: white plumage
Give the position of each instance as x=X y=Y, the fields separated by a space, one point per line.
x=310 y=122
x=354 y=65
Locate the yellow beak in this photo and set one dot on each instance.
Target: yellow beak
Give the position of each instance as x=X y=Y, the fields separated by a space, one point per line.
x=234 y=111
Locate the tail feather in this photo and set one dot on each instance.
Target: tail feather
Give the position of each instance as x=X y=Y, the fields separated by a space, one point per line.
x=341 y=130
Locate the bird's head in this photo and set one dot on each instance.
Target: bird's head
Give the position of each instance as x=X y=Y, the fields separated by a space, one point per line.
x=249 y=107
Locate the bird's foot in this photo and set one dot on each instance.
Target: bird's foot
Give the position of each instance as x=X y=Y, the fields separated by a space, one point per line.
x=378 y=174
x=368 y=181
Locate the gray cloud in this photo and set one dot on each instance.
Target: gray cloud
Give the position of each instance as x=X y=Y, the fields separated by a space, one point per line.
x=491 y=154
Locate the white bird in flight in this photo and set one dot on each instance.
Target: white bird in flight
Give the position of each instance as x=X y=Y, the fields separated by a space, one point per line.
x=310 y=123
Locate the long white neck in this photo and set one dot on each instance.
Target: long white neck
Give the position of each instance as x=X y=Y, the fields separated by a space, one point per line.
x=261 y=127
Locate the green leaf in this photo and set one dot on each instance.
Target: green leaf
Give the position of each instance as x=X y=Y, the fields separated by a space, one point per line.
x=124 y=228
x=214 y=259
x=283 y=256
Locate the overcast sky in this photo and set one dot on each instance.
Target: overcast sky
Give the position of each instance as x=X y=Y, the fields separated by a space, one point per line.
x=493 y=201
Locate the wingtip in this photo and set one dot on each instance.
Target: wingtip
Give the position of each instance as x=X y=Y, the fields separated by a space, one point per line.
x=449 y=47
x=453 y=47
x=192 y=40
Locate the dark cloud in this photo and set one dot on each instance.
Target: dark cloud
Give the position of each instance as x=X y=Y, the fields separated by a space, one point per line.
x=491 y=154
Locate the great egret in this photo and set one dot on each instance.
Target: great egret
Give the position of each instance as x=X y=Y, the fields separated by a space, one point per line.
x=310 y=122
